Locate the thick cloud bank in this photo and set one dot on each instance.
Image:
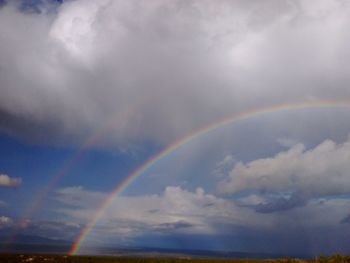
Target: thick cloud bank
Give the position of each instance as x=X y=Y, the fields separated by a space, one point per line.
x=155 y=70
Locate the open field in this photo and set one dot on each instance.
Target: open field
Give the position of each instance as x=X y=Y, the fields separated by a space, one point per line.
x=14 y=258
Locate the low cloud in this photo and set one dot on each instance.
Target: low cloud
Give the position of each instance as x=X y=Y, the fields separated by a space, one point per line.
x=280 y=204
x=7 y=181
x=180 y=213
x=292 y=177
x=77 y=196
x=269 y=203
x=5 y=221
x=173 y=226
x=176 y=210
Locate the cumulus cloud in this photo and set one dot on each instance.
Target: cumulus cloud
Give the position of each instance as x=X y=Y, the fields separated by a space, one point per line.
x=157 y=70
x=294 y=176
x=178 y=213
x=224 y=166
x=176 y=210
x=7 y=181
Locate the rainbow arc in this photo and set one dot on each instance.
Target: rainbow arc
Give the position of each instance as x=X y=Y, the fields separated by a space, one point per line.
x=188 y=138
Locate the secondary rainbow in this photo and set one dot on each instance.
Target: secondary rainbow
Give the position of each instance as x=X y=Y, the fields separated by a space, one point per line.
x=39 y=199
x=177 y=144
x=88 y=144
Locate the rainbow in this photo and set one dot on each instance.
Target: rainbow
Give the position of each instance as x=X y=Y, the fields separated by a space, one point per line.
x=177 y=144
x=88 y=144
x=39 y=199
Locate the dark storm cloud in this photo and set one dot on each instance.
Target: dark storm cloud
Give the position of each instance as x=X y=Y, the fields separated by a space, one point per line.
x=32 y=130
x=157 y=70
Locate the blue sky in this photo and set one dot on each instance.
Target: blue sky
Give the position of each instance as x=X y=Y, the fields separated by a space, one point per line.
x=109 y=84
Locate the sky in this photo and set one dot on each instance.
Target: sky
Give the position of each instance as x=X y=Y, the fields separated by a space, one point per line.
x=91 y=91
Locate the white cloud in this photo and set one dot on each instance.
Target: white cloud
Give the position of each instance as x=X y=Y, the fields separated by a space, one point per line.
x=297 y=173
x=7 y=181
x=5 y=221
x=157 y=70
x=223 y=166
x=77 y=196
x=179 y=212
x=174 y=211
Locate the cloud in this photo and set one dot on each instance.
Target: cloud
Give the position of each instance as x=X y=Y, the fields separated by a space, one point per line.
x=172 y=226
x=224 y=166
x=77 y=196
x=5 y=221
x=7 y=181
x=176 y=210
x=156 y=71
x=287 y=142
x=280 y=204
x=345 y=220
x=3 y=204
x=269 y=203
x=296 y=175
x=178 y=214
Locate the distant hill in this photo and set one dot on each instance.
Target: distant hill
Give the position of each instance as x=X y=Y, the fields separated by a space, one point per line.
x=32 y=239
x=166 y=252
x=37 y=244
x=34 y=244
